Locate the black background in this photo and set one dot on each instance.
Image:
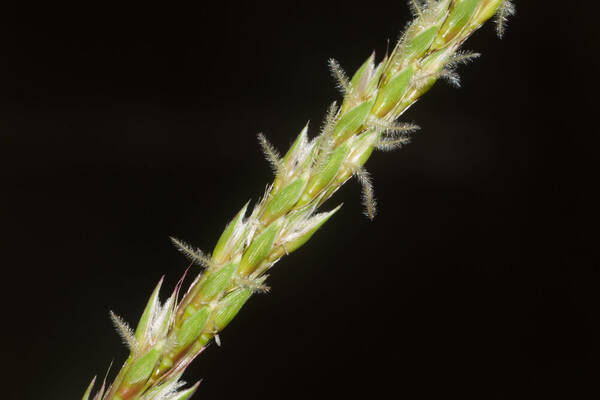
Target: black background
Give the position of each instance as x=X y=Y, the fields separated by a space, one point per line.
x=122 y=126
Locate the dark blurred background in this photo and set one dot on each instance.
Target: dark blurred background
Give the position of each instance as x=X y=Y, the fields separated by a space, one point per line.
x=121 y=126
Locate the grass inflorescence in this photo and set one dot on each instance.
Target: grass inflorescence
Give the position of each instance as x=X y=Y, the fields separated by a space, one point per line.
x=170 y=335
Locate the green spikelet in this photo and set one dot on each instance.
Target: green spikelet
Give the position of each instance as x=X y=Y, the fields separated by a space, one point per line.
x=283 y=201
x=216 y=283
x=392 y=93
x=192 y=327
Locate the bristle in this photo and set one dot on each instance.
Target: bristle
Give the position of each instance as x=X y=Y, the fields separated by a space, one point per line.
x=88 y=391
x=394 y=135
x=271 y=154
x=462 y=58
x=257 y=285
x=325 y=140
x=416 y=8
x=390 y=144
x=343 y=83
x=195 y=255
x=124 y=331
x=100 y=394
x=451 y=76
x=505 y=10
x=330 y=119
x=449 y=71
x=368 y=194
x=393 y=127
